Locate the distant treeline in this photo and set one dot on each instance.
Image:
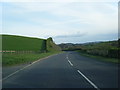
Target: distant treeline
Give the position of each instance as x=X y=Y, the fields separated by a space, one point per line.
x=105 y=49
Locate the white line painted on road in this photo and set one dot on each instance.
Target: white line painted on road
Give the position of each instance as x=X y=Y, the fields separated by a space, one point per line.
x=67 y=57
x=88 y=80
x=70 y=62
x=83 y=74
x=25 y=67
x=16 y=72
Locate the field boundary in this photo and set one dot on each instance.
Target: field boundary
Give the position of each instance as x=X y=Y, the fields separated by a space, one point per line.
x=20 y=52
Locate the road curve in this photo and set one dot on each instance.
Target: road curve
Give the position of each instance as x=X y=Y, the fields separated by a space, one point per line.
x=65 y=70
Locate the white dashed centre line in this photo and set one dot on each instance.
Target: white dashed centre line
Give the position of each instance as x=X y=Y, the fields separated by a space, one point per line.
x=70 y=62
x=67 y=57
x=88 y=80
x=83 y=75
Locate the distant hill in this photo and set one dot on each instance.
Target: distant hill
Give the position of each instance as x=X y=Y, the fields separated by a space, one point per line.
x=21 y=43
x=106 y=49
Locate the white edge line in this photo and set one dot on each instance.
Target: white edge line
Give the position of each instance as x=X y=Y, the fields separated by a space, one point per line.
x=16 y=72
x=88 y=80
x=24 y=67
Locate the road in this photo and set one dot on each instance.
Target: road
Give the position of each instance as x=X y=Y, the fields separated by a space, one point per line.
x=65 y=70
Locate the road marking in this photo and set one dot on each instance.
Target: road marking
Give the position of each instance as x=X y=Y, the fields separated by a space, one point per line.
x=16 y=72
x=83 y=74
x=70 y=62
x=25 y=67
x=88 y=80
x=67 y=57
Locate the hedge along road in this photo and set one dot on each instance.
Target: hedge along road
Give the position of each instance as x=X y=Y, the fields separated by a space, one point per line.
x=65 y=70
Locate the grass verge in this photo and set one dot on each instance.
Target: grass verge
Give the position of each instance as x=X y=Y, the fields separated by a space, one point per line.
x=16 y=59
x=105 y=59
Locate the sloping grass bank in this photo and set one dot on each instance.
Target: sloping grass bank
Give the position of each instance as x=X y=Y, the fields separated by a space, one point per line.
x=105 y=59
x=16 y=59
x=22 y=45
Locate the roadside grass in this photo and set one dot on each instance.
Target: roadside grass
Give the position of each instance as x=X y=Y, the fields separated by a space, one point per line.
x=22 y=45
x=16 y=59
x=105 y=59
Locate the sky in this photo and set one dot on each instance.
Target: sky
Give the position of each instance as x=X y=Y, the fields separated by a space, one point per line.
x=66 y=22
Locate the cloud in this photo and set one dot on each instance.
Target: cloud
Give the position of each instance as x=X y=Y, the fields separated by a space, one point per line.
x=87 y=38
x=95 y=14
x=44 y=19
x=59 y=0
x=71 y=36
x=0 y=18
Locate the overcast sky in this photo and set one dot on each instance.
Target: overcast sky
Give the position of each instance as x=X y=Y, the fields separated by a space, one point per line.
x=66 y=22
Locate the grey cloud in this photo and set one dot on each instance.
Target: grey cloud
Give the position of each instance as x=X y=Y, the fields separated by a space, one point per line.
x=70 y=36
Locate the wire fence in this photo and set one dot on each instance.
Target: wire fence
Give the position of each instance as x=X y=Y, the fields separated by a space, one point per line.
x=20 y=52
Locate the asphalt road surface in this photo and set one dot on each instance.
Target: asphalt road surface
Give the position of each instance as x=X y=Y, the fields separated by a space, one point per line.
x=65 y=70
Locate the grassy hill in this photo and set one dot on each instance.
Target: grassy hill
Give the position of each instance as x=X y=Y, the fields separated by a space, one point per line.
x=51 y=46
x=20 y=43
x=43 y=47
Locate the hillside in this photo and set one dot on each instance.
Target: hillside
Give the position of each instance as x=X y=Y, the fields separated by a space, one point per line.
x=21 y=43
x=51 y=46
x=26 y=49
x=105 y=49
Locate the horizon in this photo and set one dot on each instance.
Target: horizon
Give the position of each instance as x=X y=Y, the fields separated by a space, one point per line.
x=62 y=42
x=69 y=22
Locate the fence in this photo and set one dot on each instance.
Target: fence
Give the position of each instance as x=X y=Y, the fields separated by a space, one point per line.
x=19 y=52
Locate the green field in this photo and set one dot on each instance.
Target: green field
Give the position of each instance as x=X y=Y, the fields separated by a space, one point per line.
x=16 y=59
x=44 y=48
x=20 y=43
